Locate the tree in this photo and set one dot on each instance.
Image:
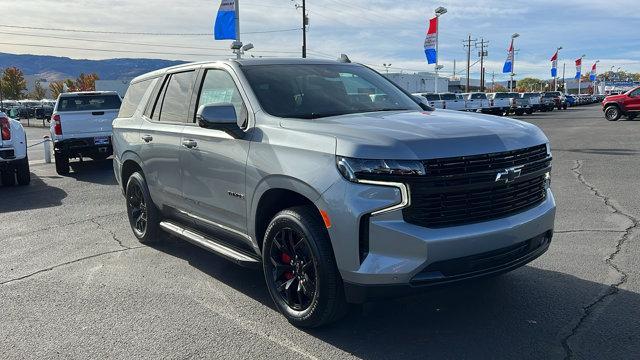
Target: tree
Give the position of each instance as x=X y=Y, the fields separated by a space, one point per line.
x=71 y=86
x=86 y=82
x=499 y=88
x=529 y=84
x=13 y=83
x=57 y=88
x=39 y=92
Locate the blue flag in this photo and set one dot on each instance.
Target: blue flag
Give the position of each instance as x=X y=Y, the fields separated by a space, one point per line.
x=225 y=27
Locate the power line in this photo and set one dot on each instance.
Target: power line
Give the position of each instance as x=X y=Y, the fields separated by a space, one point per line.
x=136 y=33
x=136 y=43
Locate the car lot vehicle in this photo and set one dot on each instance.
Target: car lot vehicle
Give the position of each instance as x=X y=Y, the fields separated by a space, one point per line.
x=571 y=100
x=500 y=103
x=14 y=162
x=452 y=102
x=627 y=104
x=283 y=164
x=549 y=101
x=477 y=102
x=558 y=99
x=531 y=102
x=434 y=100
x=81 y=126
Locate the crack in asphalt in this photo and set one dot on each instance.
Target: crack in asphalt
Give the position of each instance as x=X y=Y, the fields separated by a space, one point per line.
x=626 y=234
x=111 y=232
x=69 y=263
x=63 y=225
x=586 y=230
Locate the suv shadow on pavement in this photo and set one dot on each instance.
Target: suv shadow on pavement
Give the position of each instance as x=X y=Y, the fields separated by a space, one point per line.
x=35 y=196
x=96 y=172
x=529 y=313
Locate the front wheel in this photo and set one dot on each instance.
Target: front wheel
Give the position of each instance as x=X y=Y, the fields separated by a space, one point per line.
x=300 y=269
x=62 y=163
x=612 y=113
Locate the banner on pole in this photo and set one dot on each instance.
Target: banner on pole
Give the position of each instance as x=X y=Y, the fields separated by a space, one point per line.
x=578 y=68
x=508 y=64
x=554 y=65
x=430 y=42
x=225 y=26
x=592 y=76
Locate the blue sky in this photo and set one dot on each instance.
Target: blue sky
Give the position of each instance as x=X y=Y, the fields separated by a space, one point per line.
x=370 y=31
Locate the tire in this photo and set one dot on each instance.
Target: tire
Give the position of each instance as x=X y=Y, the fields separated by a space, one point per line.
x=564 y=107
x=529 y=111
x=612 y=113
x=519 y=112
x=8 y=177
x=62 y=164
x=22 y=172
x=631 y=116
x=143 y=215
x=302 y=277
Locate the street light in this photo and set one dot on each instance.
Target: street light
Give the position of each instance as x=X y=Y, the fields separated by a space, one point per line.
x=439 y=11
x=513 y=61
x=387 y=66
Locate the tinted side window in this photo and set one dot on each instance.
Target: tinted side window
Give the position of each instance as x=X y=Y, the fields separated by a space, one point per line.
x=175 y=98
x=132 y=98
x=218 y=88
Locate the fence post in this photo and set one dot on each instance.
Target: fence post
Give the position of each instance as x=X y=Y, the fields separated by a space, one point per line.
x=47 y=149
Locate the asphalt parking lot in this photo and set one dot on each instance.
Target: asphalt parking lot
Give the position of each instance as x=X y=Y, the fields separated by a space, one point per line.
x=74 y=282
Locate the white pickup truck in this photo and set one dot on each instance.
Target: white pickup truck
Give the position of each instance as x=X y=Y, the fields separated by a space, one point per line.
x=477 y=102
x=14 y=162
x=452 y=102
x=81 y=126
x=433 y=100
x=500 y=103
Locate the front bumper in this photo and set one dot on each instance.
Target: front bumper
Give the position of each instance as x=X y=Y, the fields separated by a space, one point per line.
x=402 y=255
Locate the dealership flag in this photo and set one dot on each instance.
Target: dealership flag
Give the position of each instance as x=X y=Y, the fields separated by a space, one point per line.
x=554 y=65
x=508 y=64
x=578 y=68
x=225 y=27
x=592 y=77
x=431 y=41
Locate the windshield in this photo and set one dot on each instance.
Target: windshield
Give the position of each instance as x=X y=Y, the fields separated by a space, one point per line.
x=501 y=95
x=530 y=95
x=432 y=97
x=448 y=96
x=88 y=103
x=309 y=91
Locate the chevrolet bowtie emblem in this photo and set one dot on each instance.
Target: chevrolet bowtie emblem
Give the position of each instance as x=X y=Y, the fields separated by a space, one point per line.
x=509 y=175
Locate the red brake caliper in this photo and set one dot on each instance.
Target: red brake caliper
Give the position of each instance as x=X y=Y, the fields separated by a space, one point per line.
x=286 y=259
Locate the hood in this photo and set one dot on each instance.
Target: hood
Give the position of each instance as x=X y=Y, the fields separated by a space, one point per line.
x=421 y=135
x=619 y=97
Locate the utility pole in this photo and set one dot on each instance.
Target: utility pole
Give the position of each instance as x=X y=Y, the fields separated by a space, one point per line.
x=482 y=54
x=468 y=46
x=237 y=15
x=493 y=81
x=305 y=22
x=439 y=11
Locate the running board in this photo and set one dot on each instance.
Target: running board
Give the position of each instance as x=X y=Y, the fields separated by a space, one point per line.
x=239 y=257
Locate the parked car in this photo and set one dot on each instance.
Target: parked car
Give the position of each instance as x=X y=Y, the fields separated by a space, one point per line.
x=452 y=102
x=627 y=104
x=477 y=102
x=14 y=162
x=551 y=100
x=281 y=164
x=81 y=126
x=433 y=99
x=500 y=103
x=531 y=102
x=571 y=100
x=558 y=98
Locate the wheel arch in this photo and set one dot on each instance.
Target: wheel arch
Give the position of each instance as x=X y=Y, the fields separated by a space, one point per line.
x=130 y=164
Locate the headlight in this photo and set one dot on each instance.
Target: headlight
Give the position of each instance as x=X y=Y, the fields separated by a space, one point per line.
x=354 y=169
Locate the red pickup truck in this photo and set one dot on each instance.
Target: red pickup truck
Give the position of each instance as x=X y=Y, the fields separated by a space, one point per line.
x=627 y=104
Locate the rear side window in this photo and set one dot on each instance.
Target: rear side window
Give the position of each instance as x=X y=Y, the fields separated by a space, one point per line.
x=133 y=97
x=89 y=103
x=173 y=105
x=478 y=96
x=448 y=96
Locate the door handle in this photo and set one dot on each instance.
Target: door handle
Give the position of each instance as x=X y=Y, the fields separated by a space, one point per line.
x=147 y=138
x=190 y=143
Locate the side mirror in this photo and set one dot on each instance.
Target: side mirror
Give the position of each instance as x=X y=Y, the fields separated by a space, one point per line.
x=221 y=117
x=422 y=102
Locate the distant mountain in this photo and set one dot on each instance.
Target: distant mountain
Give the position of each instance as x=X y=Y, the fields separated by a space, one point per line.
x=58 y=68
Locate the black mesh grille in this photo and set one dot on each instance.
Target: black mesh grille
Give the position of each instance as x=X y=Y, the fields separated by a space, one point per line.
x=464 y=190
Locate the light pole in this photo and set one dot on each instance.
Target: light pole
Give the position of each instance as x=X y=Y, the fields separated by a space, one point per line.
x=386 y=67
x=439 y=11
x=555 y=78
x=580 y=77
x=513 y=60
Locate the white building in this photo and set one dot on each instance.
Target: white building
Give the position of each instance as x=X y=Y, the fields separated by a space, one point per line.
x=420 y=82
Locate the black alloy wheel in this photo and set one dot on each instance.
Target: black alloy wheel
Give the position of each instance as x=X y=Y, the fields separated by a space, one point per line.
x=137 y=208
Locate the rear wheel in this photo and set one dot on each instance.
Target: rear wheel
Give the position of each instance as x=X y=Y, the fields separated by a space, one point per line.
x=22 y=172
x=612 y=113
x=529 y=111
x=62 y=163
x=631 y=116
x=144 y=217
x=300 y=269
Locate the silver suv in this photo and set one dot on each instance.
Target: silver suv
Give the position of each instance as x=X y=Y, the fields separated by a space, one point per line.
x=335 y=181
